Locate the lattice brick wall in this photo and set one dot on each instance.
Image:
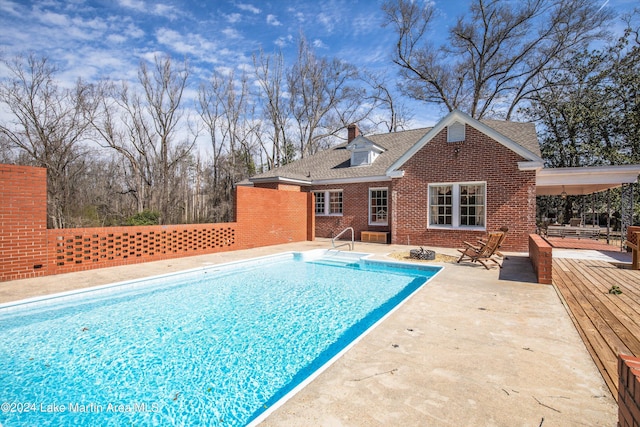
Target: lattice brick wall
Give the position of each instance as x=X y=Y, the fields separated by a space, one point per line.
x=76 y=249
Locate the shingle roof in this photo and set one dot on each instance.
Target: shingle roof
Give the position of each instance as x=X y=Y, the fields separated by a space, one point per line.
x=521 y=133
x=334 y=163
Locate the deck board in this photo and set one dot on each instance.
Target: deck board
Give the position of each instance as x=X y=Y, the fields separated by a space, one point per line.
x=609 y=324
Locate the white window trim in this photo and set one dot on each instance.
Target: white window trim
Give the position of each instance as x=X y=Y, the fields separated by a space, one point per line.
x=327 y=202
x=455 y=196
x=385 y=223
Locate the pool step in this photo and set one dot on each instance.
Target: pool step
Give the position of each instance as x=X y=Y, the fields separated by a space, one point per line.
x=339 y=259
x=336 y=262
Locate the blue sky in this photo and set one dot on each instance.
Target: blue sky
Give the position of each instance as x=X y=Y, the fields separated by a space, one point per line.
x=93 y=39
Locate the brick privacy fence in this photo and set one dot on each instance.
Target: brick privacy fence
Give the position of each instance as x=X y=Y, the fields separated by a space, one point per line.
x=28 y=249
x=540 y=254
x=23 y=221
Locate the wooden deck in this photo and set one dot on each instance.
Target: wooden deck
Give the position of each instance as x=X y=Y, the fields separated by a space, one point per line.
x=608 y=323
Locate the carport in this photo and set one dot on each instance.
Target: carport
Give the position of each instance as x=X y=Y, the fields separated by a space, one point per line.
x=583 y=181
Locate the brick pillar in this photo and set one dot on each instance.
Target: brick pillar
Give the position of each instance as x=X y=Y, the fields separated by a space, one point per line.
x=23 y=222
x=628 y=391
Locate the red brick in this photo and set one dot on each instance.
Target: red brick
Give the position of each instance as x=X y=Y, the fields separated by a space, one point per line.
x=263 y=217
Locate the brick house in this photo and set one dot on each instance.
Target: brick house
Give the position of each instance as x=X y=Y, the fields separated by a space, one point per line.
x=430 y=187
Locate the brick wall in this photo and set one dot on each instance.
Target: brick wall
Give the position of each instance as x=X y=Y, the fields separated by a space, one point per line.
x=540 y=254
x=511 y=199
x=268 y=217
x=23 y=221
x=77 y=249
x=628 y=391
x=27 y=249
x=355 y=207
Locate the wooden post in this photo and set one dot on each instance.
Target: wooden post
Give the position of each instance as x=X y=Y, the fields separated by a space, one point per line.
x=635 y=262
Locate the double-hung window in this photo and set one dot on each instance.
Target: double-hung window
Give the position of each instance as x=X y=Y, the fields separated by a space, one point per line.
x=457 y=205
x=328 y=202
x=378 y=206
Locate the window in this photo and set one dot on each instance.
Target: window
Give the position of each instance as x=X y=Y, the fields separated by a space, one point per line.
x=328 y=202
x=472 y=205
x=360 y=158
x=441 y=205
x=457 y=205
x=319 y=202
x=378 y=206
x=335 y=202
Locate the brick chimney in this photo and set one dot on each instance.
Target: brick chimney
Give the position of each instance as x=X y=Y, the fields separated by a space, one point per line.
x=352 y=132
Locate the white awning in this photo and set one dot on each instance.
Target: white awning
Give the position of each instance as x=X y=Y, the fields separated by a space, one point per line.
x=584 y=180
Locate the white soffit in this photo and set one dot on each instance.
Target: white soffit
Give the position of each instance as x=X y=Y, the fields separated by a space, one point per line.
x=584 y=180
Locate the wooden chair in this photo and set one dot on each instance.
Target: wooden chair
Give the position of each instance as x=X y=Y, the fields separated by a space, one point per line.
x=497 y=252
x=486 y=250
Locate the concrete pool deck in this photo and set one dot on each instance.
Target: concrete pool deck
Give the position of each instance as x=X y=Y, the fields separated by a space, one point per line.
x=473 y=347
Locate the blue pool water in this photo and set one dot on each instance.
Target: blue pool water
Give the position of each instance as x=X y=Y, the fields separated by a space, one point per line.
x=216 y=346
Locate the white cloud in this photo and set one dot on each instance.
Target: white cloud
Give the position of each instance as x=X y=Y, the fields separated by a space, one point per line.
x=116 y=38
x=248 y=8
x=233 y=18
x=224 y=70
x=158 y=9
x=317 y=43
x=52 y=18
x=133 y=31
x=167 y=11
x=299 y=16
x=245 y=67
x=133 y=4
x=10 y=8
x=283 y=41
x=326 y=20
x=192 y=44
x=231 y=33
x=272 y=20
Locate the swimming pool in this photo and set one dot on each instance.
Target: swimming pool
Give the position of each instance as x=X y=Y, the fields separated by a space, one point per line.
x=214 y=346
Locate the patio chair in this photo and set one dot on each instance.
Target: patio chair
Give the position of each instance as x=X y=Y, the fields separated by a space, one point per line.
x=485 y=251
x=497 y=252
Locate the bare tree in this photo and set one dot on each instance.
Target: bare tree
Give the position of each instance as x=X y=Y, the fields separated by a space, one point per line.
x=163 y=86
x=122 y=125
x=143 y=128
x=324 y=98
x=228 y=112
x=391 y=112
x=49 y=126
x=494 y=54
x=270 y=72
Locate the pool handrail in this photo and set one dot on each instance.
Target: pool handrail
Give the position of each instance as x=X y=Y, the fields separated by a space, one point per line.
x=351 y=245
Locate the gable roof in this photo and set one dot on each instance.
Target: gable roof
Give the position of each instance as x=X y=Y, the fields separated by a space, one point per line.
x=506 y=133
x=333 y=165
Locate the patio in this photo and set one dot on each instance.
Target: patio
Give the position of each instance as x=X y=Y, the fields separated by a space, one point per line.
x=473 y=347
